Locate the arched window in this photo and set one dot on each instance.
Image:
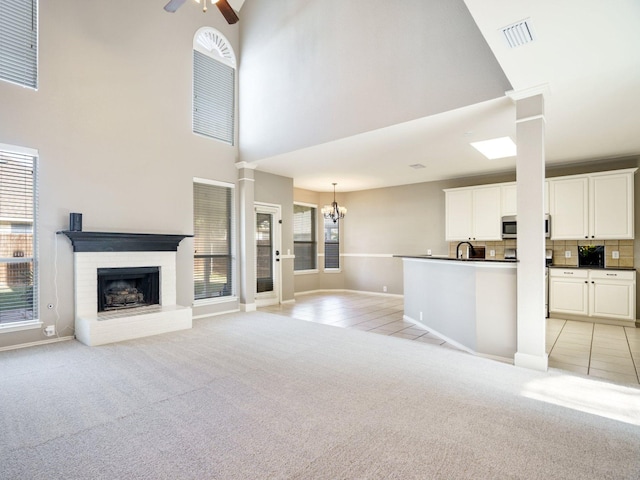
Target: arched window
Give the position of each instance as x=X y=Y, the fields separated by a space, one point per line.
x=214 y=80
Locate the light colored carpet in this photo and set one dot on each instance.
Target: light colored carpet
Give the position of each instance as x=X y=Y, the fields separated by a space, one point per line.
x=260 y=396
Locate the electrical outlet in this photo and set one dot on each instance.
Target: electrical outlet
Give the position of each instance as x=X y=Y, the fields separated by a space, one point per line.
x=50 y=330
x=615 y=254
x=384 y=289
x=429 y=251
x=420 y=316
x=567 y=254
x=492 y=253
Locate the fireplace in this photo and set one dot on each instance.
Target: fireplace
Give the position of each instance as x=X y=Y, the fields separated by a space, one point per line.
x=126 y=288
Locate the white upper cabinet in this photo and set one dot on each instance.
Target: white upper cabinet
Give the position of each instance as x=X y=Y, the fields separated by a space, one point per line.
x=509 y=193
x=473 y=213
x=569 y=208
x=611 y=206
x=486 y=214
x=459 y=214
x=597 y=206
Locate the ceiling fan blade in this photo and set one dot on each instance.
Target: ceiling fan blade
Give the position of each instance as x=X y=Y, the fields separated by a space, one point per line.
x=227 y=11
x=174 y=5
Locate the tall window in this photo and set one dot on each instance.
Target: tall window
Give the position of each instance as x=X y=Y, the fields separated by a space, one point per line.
x=214 y=80
x=305 y=242
x=213 y=239
x=331 y=244
x=19 y=42
x=18 y=245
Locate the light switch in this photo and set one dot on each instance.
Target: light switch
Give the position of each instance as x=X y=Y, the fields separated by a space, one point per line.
x=492 y=253
x=615 y=254
x=567 y=254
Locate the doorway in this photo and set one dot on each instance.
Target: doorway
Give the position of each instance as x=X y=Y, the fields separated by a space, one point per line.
x=268 y=247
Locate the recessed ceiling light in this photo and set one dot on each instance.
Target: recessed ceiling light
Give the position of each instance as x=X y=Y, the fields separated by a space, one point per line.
x=496 y=148
x=417 y=166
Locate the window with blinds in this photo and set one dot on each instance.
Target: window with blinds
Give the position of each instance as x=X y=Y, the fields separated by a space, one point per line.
x=305 y=242
x=19 y=42
x=18 y=241
x=213 y=98
x=213 y=240
x=331 y=244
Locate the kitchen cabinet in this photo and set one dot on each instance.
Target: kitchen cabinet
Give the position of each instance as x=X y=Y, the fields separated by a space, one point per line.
x=509 y=198
x=594 y=206
x=473 y=213
x=569 y=291
x=601 y=293
x=612 y=294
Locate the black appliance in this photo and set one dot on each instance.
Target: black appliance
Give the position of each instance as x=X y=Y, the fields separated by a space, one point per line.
x=591 y=256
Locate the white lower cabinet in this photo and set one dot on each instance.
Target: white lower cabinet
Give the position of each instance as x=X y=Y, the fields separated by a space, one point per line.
x=594 y=293
x=569 y=291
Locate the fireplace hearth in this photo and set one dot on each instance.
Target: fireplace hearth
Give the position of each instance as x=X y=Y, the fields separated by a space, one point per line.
x=126 y=288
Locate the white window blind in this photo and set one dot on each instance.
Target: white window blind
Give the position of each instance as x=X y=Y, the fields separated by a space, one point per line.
x=304 y=237
x=331 y=244
x=18 y=241
x=213 y=98
x=213 y=241
x=19 y=42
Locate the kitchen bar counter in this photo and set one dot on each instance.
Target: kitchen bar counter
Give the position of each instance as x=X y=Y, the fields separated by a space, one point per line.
x=469 y=303
x=432 y=257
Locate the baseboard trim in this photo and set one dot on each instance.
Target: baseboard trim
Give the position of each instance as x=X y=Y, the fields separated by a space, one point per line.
x=38 y=343
x=248 y=307
x=344 y=290
x=532 y=362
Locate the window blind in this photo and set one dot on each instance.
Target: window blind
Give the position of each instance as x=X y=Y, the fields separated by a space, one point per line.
x=213 y=98
x=18 y=241
x=19 y=42
x=304 y=237
x=331 y=244
x=213 y=241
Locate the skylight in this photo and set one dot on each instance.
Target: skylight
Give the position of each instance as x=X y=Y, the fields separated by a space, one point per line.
x=495 y=148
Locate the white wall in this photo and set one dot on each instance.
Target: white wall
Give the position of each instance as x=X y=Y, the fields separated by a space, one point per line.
x=315 y=71
x=112 y=122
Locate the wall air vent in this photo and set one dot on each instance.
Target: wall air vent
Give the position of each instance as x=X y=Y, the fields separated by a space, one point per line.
x=417 y=166
x=518 y=34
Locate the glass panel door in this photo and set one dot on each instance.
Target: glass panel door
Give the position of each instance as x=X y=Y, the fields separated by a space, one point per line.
x=267 y=221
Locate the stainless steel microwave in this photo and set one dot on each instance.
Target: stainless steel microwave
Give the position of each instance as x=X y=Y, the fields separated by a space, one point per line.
x=510 y=227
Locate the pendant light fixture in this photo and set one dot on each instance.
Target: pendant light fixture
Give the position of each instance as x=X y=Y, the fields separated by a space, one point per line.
x=333 y=211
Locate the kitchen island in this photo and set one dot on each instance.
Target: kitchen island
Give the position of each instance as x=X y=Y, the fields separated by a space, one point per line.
x=470 y=303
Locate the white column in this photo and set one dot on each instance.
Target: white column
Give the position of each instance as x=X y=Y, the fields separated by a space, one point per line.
x=246 y=229
x=530 y=175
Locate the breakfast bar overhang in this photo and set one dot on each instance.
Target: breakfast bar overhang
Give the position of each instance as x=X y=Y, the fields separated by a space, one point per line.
x=471 y=304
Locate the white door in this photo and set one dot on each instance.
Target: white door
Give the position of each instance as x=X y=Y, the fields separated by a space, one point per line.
x=459 y=215
x=267 y=222
x=486 y=214
x=570 y=208
x=611 y=202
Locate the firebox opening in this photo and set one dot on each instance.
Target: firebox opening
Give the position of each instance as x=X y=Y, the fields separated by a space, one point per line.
x=124 y=288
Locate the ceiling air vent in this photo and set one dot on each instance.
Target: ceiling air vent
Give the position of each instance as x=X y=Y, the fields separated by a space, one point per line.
x=518 y=33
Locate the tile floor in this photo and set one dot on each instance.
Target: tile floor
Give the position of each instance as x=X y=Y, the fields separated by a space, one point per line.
x=604 y=351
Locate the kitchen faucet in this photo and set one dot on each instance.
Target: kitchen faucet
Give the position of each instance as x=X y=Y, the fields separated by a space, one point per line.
x=471 y=249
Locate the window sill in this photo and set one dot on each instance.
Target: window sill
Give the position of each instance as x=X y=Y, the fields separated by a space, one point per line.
x=306 y=272
x=332 y=270
x=214 y=301
x=20 y=326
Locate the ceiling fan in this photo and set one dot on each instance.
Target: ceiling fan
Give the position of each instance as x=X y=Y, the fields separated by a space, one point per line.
x=224 y=7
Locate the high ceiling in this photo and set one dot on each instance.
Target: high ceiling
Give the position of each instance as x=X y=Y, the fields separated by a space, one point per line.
x=584 y=50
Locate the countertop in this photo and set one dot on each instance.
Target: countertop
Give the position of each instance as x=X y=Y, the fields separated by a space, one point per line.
x=435 y=257
x=591 y=268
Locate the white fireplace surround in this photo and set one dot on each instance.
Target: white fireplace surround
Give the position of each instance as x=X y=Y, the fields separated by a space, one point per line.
x=92 y=328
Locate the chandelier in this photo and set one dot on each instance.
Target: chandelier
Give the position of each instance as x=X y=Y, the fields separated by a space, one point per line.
x=333 y=211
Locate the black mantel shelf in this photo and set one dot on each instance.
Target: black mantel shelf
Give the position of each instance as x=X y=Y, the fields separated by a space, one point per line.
x=123 y=242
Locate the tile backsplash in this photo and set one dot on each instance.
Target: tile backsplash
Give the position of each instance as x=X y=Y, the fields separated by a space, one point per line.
x=559 y=247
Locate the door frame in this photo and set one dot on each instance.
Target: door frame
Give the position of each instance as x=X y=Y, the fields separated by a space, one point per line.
x=275 y=297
